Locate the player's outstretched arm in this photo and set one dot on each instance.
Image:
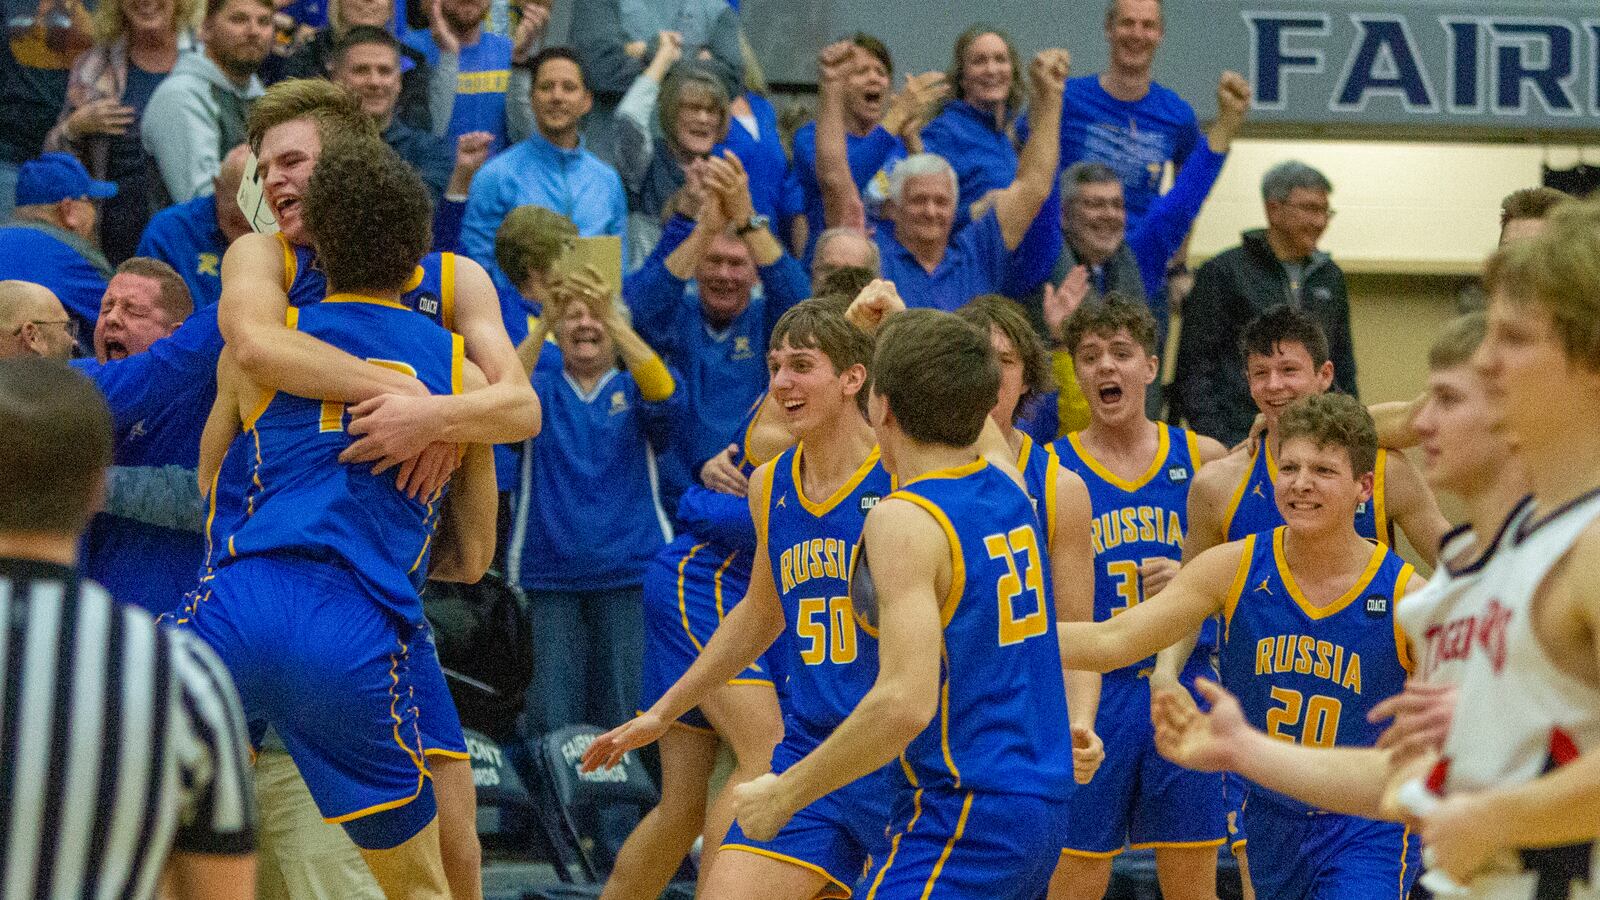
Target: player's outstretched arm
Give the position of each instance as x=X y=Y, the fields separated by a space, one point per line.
x=1562 y=806
x=1347 y=780
x=909 y=556
x=251 y=314
x=742 y=637
x=1414 y=508
x=1072 y=577
x=1197 y=591
x=1208 y=499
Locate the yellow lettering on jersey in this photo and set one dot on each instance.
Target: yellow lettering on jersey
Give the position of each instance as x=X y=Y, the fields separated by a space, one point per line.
x=815 y=548
x=1094 y=536
x=1147 y=527
x=1174 y=530
x=786 y=568
x=1352 y=675
x=1303 y=654
x=491 y=82
x=830 y=557
x=1110 y=530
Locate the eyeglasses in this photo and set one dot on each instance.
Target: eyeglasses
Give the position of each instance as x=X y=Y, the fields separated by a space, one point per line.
x=70 y=325
x=1312 y=209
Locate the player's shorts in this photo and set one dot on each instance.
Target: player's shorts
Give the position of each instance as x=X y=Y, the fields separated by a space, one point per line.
x=1295 y=855
x=965 y=844
x=1235 y=790
x=686 y=596
x=838 y=836
x=437 y=718
x=336 y=675
x=1137 y=798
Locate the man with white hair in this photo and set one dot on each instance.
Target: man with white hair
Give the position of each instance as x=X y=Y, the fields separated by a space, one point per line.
x=841 y=248
x=930 y=265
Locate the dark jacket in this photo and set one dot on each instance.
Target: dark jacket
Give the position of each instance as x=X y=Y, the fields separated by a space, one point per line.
x=315 y=60
x=1230 y=290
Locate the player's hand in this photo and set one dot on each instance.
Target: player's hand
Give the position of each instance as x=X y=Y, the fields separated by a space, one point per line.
x=1156 y=573
x=1421 y=714
x=608 y=749
x=1164 y=682
x=1049 y=71
x=530 y=30
x=1257 y=429
x=1205 y=742
x=1459 y=835
x=877 y=301
x=443 y=37
x=390 y=429
x=1061 y=302
x=761 y=807
x=721 y=473
x=427 y=473
x=1087 y=754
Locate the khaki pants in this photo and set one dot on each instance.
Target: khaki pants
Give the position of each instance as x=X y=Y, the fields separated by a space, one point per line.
x=301 y=857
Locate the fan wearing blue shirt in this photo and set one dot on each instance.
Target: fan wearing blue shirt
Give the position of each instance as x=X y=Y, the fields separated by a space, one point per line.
x=48 y=240
x=148 y=565
x=472 y=71
x=930 y=265
x=550 y=169
x=588 y=516
x=694 y=300
x=1122 y=117
x=193 y=236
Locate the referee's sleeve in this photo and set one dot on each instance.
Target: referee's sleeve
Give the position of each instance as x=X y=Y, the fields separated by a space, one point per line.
x=220 y=807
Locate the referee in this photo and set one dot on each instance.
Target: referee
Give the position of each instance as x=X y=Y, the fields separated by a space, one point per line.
x=122 y=746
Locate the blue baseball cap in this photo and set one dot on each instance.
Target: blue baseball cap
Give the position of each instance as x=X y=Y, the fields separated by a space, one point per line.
x=54 y=177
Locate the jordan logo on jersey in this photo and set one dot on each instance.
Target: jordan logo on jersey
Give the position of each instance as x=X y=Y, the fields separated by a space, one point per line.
x=781 y=499
x=1258 y=492
x=1265 y=585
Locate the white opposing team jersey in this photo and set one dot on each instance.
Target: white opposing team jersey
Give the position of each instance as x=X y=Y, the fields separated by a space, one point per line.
x=1428 y=615
x=1520 y=715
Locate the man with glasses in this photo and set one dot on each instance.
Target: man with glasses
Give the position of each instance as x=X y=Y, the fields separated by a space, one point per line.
x=34 y=323
x=1277 y=264
x=50 y=237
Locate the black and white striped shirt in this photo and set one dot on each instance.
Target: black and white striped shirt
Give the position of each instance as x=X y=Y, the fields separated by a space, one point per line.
x=120 y=741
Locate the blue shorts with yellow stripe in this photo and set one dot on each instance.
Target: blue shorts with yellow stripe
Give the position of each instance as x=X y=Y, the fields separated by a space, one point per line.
x=689 y=589
x=1300 y=855
x=964 y=844
x=342 y=681
x=1137 y=798
x=837 y=836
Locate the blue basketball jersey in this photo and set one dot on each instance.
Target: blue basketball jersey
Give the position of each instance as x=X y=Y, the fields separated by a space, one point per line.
x=431 y=290
x=1039 y=466
x=1254 y=507
x=1306 y=674
x=1135 y=521
x=1001 y=698
x=828 y=663
x=301 y=501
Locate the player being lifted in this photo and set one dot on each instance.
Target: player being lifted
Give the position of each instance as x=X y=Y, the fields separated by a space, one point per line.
x=809 y=505
x=1309 y=642
x=315 y=607
x=1138 y=474
x=951 y=579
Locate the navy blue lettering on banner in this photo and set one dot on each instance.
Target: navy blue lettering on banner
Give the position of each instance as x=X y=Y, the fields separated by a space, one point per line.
x=1271 y=61
x=1593 y=27
x=1384 y=62
x=1466 y=69
x=1538 y=54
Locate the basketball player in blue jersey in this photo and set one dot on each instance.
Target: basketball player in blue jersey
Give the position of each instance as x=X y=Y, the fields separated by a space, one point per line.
x=1058 y=493
x=316 y=607
x=400 y=424
x=1286 y=358
x=396 y=421
x=1138 y=474
x=951 y=579
x=809 y=505
x=1310 y=643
